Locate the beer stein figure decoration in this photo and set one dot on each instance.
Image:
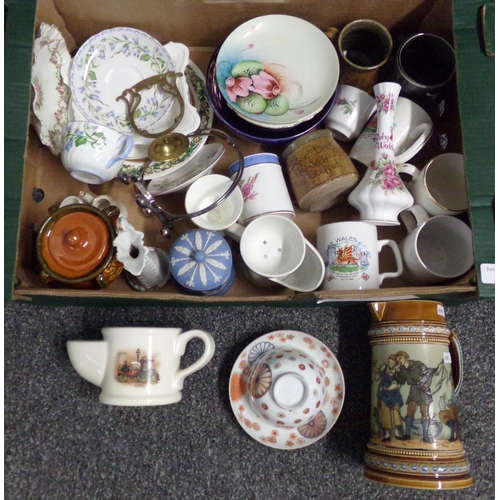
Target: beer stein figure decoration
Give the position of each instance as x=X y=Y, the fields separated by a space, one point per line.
x=415 y=438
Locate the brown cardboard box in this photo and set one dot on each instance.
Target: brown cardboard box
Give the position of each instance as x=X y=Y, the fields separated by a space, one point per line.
x=202 y=26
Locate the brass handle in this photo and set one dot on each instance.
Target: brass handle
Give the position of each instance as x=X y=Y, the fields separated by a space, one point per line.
x=132 y=97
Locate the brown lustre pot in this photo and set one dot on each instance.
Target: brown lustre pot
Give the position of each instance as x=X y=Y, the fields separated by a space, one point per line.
x=415 y=437
x=75 y=247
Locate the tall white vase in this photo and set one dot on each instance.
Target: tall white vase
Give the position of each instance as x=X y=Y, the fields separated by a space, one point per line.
x=381 y=195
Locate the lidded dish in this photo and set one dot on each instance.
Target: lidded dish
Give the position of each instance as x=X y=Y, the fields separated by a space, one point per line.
x=74 y=247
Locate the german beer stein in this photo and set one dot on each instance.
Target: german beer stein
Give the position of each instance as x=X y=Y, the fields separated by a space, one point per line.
x=415 y=438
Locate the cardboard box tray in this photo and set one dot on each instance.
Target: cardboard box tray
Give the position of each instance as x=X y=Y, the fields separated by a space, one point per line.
x=202 y=25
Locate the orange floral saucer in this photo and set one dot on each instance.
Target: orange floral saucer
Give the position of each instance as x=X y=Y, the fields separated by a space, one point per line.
x=264 y=431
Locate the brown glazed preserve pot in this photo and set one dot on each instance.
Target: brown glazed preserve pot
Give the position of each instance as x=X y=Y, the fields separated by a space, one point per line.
x=75 y=247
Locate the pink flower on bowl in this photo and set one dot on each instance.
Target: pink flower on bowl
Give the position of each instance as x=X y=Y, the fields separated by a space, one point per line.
x=238 y=87
x=266 y=85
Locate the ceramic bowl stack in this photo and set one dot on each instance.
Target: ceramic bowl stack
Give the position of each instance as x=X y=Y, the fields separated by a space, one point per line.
x=83 y=89
x=273 y=79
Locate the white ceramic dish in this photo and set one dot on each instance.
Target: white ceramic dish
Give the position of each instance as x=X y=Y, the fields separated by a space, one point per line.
x=202 y=164
x=290 y=437
x=196 y=83
x=112 y=61
x=50 y=94
x=277 y=71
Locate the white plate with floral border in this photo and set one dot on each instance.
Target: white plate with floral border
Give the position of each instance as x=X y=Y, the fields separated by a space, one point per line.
x=287 y=438
x=50 y=94
x=196 y=82
x=112 y=61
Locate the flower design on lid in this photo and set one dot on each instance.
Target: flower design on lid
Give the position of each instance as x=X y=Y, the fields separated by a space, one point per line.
x=201 y=259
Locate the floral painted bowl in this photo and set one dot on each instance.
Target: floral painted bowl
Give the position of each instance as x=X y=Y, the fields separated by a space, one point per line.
x=243 y=128
x=277 y=71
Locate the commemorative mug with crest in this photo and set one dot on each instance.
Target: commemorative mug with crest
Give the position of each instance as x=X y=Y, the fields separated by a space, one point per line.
x=350 y=252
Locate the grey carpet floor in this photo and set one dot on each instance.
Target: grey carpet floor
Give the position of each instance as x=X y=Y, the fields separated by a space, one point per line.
x=61 y=443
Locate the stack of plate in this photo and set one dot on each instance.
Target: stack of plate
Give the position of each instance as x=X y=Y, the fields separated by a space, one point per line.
x=273 y=79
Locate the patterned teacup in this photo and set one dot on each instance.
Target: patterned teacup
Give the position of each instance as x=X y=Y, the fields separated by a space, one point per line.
x=94 y=153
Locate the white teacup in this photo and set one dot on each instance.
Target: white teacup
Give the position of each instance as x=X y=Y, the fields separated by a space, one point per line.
x=350 y=254
x=412 y=129
x=94 y=153
x=436 y=249
x=270 y=245
x=263 y=187
x=138 y=366
x=286 y=386
x=208 y=190
x=440 y=187
x=351 y=110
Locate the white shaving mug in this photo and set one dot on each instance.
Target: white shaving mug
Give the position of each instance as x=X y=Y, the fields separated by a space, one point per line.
x=138 y=366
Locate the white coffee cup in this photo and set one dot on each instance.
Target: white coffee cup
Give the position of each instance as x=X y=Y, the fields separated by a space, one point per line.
x=350 y=254
x=208 y=190
x=94 y=153
x=263 y=187
x=412 y=129
x=138 y=366
x=351 y=110
x=440 y=187
x=436 y=249
x=271 y=245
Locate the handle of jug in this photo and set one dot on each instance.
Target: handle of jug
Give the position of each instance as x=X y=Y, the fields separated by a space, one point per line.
x=457 y=362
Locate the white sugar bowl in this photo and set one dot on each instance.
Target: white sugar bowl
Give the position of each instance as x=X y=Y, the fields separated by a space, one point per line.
x=286 y=387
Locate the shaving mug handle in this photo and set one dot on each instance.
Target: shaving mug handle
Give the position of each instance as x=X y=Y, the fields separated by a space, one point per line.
x=397 y=256
x=457 y=362
x=129 y=144
x=413 y=217
x=180 y=347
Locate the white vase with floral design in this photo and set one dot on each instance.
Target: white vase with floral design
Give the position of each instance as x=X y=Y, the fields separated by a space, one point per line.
x=381 y=195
